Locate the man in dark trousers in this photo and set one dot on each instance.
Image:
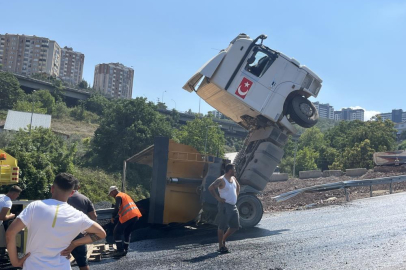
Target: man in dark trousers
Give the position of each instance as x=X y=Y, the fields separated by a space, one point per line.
x=83 y=204
x=128 y=214
x=226 y=190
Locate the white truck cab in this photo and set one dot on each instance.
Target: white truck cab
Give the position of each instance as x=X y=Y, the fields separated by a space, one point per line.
x=251 y=83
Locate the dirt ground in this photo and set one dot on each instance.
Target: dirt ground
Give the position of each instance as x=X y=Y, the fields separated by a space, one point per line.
x=318 y=199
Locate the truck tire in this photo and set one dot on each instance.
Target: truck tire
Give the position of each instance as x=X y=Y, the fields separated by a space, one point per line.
x=250 y=210
x=303 y=112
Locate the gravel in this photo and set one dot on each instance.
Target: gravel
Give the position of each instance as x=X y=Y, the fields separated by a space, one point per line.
x=102 y=205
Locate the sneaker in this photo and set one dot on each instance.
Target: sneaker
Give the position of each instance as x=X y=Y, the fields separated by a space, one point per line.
x=223 y=250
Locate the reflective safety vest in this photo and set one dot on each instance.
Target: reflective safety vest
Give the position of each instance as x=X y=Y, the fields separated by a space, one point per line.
x=128 y=209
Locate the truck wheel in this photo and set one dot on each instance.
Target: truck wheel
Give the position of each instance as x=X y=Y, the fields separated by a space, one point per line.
x=303 y=112
x=250 y=210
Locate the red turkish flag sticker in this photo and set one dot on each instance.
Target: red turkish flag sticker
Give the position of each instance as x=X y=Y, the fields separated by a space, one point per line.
x=243 y=88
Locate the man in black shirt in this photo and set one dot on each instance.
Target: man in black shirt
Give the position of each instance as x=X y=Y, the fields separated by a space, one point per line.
x=83 y=204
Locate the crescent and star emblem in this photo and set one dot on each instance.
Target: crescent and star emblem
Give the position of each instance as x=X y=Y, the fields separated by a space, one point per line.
x=243 y=88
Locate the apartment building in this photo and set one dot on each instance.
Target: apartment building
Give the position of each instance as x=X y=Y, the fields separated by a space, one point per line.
x=349 y=114
x=27 y=55
x=216 y=114
x=325 y=110
x=397 y=116
x=71 y=68
x=400 y=127
x=114 y=80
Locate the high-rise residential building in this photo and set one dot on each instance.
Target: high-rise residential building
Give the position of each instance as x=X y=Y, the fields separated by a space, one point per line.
x=337 y=115
x=325 y=110
x=71 y=69
x=386 y=116
x=114 y=80
x=27 y=55
x=349 y=114
x=397 y=116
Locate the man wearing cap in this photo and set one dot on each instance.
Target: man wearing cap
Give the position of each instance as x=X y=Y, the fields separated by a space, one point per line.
x=128 y=214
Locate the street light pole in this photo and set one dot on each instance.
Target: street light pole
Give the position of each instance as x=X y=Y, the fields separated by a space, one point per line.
x=175 y=103
x=32 y=110
x=163 y=96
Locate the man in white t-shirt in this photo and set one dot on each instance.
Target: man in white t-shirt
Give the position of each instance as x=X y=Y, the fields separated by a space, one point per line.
x=6 y=203
x=52 y=225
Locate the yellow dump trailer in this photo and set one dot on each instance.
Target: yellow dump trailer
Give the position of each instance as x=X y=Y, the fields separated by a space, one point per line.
x=178 y=172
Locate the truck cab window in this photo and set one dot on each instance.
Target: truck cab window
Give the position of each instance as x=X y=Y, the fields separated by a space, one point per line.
x=261 y=63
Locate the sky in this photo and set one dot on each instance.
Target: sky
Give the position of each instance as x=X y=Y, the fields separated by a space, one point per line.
x=358 y=48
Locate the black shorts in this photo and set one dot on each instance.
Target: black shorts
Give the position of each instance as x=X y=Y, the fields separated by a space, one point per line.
x=80 y=254
x=227 y=216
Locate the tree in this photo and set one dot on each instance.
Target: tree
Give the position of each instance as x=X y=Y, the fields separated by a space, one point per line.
x=306 y=160
x=162 y=106
x=47 y=100
x=194 y=134
x=83 y=84
x=58 y=90
x=97 y=103
x=128 y=126
x=402 y=135
x=359 y=156
x=41 y=155
x=402 y=146
x=10 y=91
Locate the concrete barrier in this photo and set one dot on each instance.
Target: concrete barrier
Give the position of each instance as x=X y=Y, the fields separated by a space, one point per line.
x=276 y=177
x=356 y=172
x=328 y=173
x=309 y=174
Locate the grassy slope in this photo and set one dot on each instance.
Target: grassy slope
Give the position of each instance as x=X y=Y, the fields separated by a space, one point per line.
x=70 y=127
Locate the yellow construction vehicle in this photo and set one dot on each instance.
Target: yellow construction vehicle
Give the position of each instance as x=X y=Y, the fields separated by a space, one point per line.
x=9 y=175
x=8 y=169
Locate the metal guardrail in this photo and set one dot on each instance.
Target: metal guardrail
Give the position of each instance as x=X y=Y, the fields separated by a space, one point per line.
x=104 y=213
x=343 y=185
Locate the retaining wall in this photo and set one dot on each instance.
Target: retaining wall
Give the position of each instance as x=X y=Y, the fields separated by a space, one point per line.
x=356 y=172
x=328 y=173
x=276 y=177
x=310 y=174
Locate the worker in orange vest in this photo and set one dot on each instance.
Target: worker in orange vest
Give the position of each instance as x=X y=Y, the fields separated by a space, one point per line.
x=128 y=214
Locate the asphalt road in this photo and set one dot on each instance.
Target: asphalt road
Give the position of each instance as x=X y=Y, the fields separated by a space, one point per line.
x=363 y=234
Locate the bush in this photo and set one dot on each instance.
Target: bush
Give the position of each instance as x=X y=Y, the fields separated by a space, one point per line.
x=61 y=110
x=41 y=155
x=5 y=138
x=94 y=183
x=26 y=106
x=79 y=113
